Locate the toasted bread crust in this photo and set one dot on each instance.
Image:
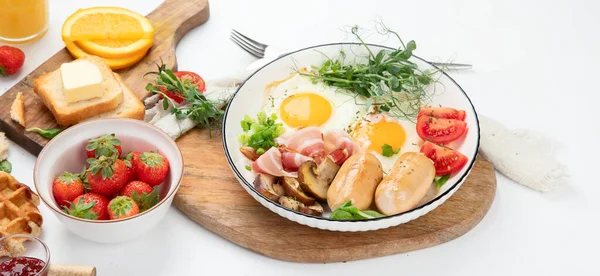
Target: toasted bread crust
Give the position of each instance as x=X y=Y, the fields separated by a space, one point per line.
x=138 y=110
x=131 y=107
x=17 y=109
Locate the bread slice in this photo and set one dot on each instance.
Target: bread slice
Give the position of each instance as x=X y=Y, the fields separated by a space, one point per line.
x=17 y=109
x=49 y=88
x=131 y=107
x=3 y=147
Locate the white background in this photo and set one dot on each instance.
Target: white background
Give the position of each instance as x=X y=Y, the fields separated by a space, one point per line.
x=535 y=67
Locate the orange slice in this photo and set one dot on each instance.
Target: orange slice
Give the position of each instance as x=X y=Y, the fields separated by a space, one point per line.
x=113 y=63
x=109 y=32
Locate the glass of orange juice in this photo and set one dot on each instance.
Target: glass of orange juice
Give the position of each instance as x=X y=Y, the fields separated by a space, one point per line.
x=23 y=20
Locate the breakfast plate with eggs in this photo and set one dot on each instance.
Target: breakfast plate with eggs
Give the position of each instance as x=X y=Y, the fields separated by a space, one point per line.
x=350 y=136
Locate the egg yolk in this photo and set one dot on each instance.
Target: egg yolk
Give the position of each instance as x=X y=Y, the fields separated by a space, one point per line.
x=305 y=109
x=380 y=133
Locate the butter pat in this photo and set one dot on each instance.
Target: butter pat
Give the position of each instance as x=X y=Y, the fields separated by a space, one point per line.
x=81 y=81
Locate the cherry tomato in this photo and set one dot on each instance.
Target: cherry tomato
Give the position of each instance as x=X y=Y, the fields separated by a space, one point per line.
x=176 y=96
x=443 y=113
x=445 y=160
x=184 y=76
x=193 y=78
x=440 y=130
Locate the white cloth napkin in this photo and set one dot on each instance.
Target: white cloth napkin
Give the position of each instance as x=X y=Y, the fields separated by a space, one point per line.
x=522 y=156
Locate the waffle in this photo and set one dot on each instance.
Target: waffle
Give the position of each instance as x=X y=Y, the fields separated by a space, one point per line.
x=18 y=214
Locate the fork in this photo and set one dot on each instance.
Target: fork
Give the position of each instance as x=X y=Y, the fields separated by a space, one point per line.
x=261 y=50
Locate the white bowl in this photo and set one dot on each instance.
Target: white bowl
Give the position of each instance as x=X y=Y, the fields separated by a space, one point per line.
x=66 y=152
x=245 y=101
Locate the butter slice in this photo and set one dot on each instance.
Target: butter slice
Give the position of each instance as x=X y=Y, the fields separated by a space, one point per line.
x=81 y=81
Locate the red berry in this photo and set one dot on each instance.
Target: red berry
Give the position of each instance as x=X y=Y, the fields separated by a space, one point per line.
x=143 y=194
x=66 y=187
x=106 y=145
x=11 y=60
x=88 y=206
x=137 y=186
x=152 y=168
x=106 y=175
x=128 y=160
x=122 y=207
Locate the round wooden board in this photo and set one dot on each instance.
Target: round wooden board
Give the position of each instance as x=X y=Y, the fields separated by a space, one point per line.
x=211 y=196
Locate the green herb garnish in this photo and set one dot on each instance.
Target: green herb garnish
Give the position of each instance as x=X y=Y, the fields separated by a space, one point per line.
x=349 y=212
x=248 y=168
x=5 y=166
x=260 y=133
x=441 y=180
x=388 y=151
x=198 y=108
x=47 y=133
x=393 y=83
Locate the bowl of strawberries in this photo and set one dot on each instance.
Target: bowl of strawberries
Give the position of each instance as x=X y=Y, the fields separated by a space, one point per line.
x=109 y=180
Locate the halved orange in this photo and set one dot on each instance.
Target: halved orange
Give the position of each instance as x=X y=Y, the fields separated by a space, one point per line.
x=109 y=32
x=113 y=63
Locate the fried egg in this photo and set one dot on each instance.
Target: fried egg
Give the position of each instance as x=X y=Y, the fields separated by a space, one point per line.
x=298 y=103
x=372 y=132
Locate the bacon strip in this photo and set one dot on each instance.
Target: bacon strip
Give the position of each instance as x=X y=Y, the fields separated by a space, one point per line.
x=292 y=160
x=270 y=163
x=308 y=142
x=339 y=145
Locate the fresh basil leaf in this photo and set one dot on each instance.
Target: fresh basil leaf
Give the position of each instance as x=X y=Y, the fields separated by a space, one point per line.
x=439 y=182
x=341 y=215
x=6 y=166
x=347 y=211
x=347 y=204
x=370 y=214
x=48 y=133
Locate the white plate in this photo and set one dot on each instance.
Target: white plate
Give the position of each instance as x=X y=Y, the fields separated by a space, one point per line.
x=248 y=100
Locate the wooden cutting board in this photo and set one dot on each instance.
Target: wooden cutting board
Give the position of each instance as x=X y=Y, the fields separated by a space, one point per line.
x=211 y=196
x=171 y=21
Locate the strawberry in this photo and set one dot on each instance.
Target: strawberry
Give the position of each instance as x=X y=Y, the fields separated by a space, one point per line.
x=106 y=145
x=66 y=187
x=151 y=167
x=11 y=60
x=88 y=206
x=144 y=195
x=106 y=175
x=128 y=160
x=122 y=207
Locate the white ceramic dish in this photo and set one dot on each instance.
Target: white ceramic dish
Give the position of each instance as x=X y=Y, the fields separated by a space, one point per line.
x=245 y=101
x=66 y=152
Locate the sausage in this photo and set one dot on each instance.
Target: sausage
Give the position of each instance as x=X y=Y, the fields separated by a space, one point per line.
x=356 y=180
x=406 y=184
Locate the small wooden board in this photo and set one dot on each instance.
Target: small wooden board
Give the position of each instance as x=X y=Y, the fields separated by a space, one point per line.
x=171 y=21
x=211 y=196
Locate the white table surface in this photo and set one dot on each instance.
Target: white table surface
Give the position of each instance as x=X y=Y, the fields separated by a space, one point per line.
x=535 y=67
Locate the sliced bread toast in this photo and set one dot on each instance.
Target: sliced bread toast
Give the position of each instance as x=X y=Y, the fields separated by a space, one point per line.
x=49 y=88
x=131 y=107
x=17 y=109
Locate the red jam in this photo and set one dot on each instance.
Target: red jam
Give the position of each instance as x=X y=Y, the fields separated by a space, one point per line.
x=21 y=266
